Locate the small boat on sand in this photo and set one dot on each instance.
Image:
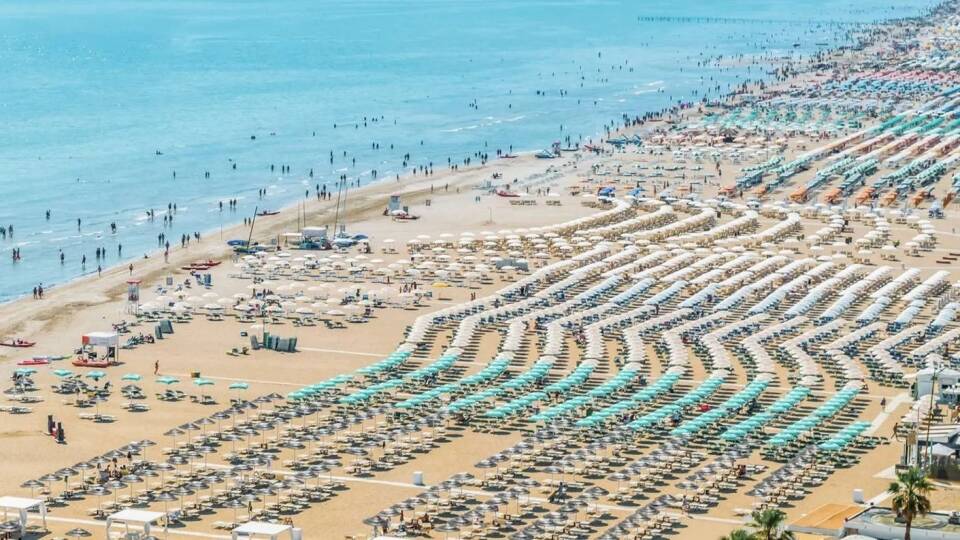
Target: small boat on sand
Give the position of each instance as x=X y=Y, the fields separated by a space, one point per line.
x=33 y=362
x=84 y=362
x=505 y=193
x=18 y=343
x=52 y=357
x=201 y=265
x=264 y=213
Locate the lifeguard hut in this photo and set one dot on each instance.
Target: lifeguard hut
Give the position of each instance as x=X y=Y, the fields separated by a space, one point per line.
x=394 y=204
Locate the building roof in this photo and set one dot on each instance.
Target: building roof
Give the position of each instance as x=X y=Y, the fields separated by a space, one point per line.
x=139 y=516
x=258 y=527
x=19 y=503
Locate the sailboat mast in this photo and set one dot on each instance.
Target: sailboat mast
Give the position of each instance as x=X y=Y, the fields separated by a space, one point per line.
x=252 y=222
x=336 y=215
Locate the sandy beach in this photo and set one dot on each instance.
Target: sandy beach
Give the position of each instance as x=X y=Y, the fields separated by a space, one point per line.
x=641 y=338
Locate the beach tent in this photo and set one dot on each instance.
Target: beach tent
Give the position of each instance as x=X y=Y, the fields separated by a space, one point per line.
x=101 y=339
x=258 y=529
x=22 y=506
x=946 y=379
x=106 y=340
x=138 y=518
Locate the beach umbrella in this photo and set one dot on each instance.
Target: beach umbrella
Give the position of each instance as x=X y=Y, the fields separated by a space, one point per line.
x=96 y=375
x=203 y=382
x=131 y=377
x=167 y=380
x=99 y=491
x=62 y=373
x=79 y=533
x=166 y=498
x=33 y=485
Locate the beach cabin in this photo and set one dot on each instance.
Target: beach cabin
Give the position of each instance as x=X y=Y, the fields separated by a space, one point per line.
x=291 y=239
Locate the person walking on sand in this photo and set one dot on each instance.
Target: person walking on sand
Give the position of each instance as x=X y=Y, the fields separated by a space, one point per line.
x=131 y=269
x=156 y=367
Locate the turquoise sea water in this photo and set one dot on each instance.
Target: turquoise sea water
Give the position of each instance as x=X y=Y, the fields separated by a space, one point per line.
x=92 y=90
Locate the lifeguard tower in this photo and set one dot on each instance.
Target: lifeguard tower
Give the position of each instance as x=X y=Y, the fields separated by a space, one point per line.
x=133 y=296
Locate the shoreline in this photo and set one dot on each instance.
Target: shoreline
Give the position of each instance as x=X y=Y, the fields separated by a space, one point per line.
x=764 y=75
x=364 y=201
x=656 y=121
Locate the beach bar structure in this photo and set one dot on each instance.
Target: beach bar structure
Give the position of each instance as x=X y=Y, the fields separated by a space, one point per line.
x=22 y=506
x=140 y=519
x=270 y=531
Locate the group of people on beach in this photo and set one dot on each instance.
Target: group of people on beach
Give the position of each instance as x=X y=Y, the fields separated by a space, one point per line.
x=55 y=430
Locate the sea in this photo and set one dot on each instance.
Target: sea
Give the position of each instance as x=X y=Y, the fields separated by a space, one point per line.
x=110 y=109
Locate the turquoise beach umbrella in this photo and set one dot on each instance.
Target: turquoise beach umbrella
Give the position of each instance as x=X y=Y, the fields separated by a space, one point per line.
x=131 y=377
x=96 y=375
x=168 y=380
x=239 y=386
x=25 y=371
x=203 y=382
x=62 y=373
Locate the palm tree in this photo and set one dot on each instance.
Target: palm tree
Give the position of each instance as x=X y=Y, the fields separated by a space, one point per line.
x=739 y=534
x=910 y=496
x=769 y=525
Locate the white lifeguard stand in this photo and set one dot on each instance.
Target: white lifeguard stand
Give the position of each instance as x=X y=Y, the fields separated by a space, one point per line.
x=140 y=519
x=22 y=506
x=272 y=531
x=133 y=296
